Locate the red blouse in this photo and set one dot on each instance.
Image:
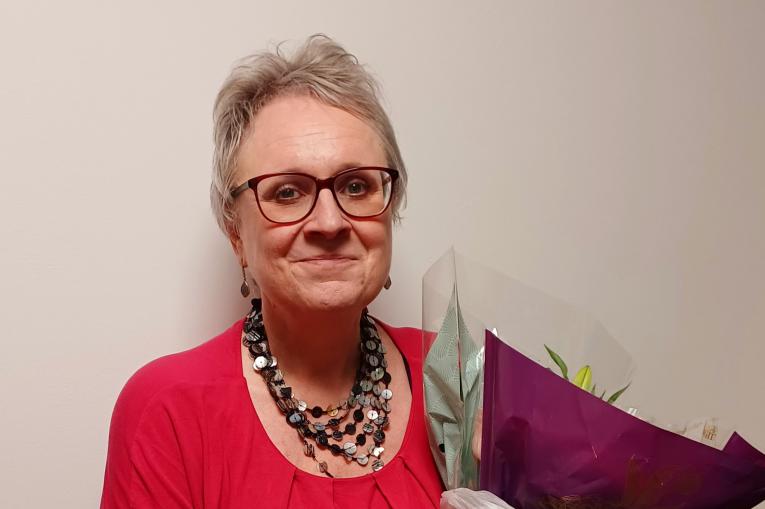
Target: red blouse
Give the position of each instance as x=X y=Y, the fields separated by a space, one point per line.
x=184 y=434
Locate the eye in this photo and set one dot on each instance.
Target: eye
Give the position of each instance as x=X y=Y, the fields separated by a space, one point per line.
x=286 y=193
x=355 y=188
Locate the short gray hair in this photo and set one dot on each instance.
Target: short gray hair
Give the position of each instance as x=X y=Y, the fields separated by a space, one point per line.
x=320 y=68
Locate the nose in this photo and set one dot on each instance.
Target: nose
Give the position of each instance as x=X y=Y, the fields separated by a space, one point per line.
x=326 y=218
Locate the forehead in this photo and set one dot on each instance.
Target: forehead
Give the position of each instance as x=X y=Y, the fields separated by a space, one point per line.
x=300 y=133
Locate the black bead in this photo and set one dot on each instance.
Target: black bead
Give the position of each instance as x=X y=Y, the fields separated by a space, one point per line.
x=386 y=378
x=358 y=415
x=337 y=435
x=356 y=389
x=317 y=412
x=332 y=423
x=350 y=429
x=321 y=439
x=378 y=436
x=336 y=449
x=361 y=439
x=286 y=392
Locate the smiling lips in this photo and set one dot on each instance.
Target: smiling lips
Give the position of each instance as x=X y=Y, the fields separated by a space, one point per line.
x=327 y=258
x=327 y=262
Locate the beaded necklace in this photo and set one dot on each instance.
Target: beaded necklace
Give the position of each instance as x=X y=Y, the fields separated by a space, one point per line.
x=368 y=399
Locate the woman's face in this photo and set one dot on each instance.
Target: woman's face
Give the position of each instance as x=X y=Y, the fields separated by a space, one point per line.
x=327 y=260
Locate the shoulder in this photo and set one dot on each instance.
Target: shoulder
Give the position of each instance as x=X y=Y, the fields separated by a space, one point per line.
x=169 y=378
x=212 y=359
x=159 y=406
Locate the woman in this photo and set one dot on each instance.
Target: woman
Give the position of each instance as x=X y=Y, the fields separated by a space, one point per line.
x=307 y=400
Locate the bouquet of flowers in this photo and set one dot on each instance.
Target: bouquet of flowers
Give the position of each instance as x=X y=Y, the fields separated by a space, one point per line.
x=524 y=398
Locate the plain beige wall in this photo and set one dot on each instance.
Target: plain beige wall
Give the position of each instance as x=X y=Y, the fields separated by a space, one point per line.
x=610 y=153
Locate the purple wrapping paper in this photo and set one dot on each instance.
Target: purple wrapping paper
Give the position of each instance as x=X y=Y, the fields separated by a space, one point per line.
x=548 y=444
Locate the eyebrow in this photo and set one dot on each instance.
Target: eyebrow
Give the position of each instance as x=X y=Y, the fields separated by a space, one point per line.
x=340 y=168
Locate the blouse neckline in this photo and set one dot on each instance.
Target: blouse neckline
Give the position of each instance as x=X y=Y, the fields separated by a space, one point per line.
x=245 y=394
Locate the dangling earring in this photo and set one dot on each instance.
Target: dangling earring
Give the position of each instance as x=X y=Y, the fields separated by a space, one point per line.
x=387 y=283
x=245 y=288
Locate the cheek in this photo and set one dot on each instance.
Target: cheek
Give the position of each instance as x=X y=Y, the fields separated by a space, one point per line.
x=379 y=242
x=267 y=247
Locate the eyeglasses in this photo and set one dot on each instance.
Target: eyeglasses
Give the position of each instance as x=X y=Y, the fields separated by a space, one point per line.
x=290 y=197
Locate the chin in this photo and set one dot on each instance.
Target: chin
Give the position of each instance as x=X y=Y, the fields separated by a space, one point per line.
x=335 y=295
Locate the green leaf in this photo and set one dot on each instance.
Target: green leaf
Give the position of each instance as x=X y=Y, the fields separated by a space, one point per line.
x=594 y=387
x=618 y=393
x=603 y=395
x=583 y=378
x=557 y=360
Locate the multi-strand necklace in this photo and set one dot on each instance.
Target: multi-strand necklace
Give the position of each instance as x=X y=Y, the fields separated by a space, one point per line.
x=354 y=427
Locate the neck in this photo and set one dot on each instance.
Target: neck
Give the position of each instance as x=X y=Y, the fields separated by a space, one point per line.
x=318 y=352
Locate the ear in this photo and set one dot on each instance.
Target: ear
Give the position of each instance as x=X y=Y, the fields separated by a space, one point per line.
x=236 y=243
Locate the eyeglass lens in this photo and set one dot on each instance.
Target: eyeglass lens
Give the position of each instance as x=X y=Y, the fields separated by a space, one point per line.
x=361 y=193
